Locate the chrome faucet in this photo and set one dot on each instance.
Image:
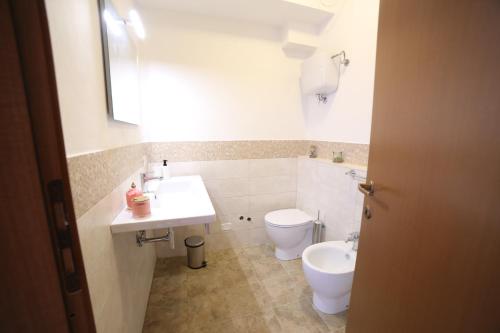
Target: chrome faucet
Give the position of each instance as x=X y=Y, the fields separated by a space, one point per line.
x=145 y=178
x=353 y=237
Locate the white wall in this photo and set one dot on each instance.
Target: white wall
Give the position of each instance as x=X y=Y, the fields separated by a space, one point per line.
x=211 y=79
x=119 y=273
x=76 y=47
x=214 y=79
x=347 y=115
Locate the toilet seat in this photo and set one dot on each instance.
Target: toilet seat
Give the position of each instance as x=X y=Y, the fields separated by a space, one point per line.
x=287 y=218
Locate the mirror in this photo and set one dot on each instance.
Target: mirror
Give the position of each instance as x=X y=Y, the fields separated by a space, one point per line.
x=121 y=65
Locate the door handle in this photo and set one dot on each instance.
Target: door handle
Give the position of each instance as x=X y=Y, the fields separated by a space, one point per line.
x=367 y=189
x=367 y=212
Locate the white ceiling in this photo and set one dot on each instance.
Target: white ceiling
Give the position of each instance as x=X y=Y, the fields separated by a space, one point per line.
x=303 y=14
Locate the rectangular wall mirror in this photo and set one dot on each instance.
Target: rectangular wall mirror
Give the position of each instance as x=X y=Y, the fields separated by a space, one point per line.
x=121 y=65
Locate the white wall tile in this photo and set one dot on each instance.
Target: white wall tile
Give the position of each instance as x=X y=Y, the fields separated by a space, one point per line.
x=252 y=188
x=235 y=205
x=184 y=168
x=231 y=187
x=236 y=223
x=224 y=169
x=249 y=188
x=258 y=219
x=275 y=184
x=307 y=175
x=307 y=201
x=116 y=268
x=324 y=186
x=272 y=167
x=251 y=237
x=225 y=188
x=270 y=202
x=220 y=241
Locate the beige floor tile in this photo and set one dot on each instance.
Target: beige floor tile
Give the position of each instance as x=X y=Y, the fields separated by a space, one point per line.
x=301 y=289
x=168 y=283
x=227 y=254
x=232 y=275
x=215 y=326
x=241 y=290
x=209 y=307
x=163 y=326
x=333 y=321
x=272 y=322
x=280 y=289
x=240 y=264
x=259 y=252
x=200 y=285
x=292 y=266
x=339 y=330
x=255 y=324
x=268 y=268
x=174 y=317
x=299 y=317
x=170 y=266
x=244 y=306
x=168 y=300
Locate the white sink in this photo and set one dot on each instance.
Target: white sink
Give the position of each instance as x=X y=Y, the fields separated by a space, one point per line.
x=177 y=201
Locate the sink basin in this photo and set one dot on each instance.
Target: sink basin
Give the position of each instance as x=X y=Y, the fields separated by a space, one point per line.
x=176 y=202
x=175 y=185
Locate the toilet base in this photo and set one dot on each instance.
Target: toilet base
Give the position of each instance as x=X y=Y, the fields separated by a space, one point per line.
x=294 y=252
x=331 y=305
x=288 y=254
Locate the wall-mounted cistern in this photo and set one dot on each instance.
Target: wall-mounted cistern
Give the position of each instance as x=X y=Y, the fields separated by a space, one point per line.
x=343 y=60
x=354 y=238
x=320 y=74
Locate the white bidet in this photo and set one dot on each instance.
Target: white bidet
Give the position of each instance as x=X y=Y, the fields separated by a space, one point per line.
x=329 y=269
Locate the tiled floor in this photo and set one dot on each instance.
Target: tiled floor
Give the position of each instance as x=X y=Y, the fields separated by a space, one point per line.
x=241 y=290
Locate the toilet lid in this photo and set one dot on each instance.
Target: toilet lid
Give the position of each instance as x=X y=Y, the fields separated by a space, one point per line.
x=287 y=218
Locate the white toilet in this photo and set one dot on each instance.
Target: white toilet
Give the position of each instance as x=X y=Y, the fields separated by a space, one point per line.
x=329 y=270
x=291 y=232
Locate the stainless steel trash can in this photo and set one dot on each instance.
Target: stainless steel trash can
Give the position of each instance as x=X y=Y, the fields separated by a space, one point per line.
x=195 y=252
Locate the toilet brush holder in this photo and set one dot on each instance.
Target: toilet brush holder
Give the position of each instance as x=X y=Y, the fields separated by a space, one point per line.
x=317 y=231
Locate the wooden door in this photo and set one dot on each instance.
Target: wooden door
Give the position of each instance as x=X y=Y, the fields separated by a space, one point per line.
x=429 y=257
x=42 y=278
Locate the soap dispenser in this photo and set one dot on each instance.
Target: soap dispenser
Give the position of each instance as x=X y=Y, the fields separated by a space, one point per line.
x=165 y=170
x=131 y=194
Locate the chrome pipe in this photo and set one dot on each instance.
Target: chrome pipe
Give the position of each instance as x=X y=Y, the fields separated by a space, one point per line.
x=141 y=238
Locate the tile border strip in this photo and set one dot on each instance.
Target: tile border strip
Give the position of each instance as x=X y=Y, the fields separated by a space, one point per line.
x=225 y=150
x=354 y=153
x=95 y=175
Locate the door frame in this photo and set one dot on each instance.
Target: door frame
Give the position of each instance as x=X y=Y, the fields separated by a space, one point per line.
x=34 y=50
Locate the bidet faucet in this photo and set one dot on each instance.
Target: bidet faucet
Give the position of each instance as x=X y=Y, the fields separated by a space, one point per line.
x=354 y=238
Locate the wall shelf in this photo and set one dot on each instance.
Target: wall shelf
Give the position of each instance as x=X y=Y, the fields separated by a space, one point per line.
x=300 y=21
